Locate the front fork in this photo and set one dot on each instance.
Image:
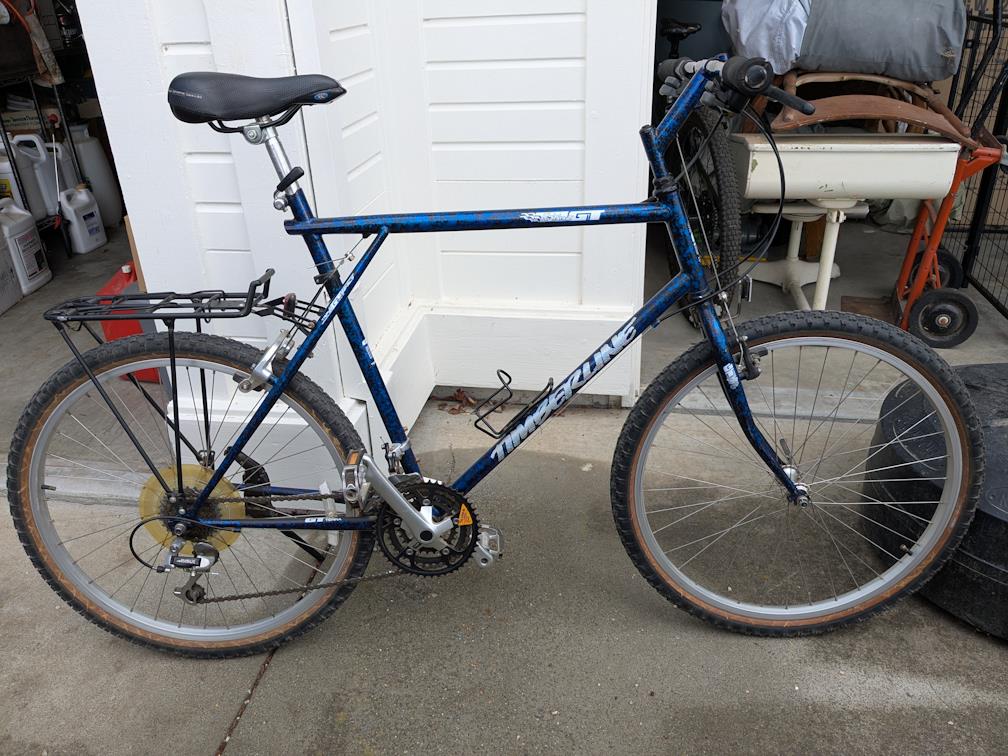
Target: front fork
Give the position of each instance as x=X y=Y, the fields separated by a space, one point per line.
x=731 y=384
x=728 y=373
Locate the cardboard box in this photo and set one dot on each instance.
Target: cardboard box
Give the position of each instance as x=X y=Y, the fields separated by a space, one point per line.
x=89 y=109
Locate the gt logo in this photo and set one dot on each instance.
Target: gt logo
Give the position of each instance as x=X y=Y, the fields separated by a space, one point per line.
x=563 y=216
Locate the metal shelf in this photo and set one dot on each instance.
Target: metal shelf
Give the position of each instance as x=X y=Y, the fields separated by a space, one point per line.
x=50 y=221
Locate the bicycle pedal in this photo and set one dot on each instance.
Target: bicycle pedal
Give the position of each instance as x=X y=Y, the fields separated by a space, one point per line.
x=489 y=546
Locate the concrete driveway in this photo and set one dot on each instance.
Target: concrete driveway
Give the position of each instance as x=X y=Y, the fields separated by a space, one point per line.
x=562 y=647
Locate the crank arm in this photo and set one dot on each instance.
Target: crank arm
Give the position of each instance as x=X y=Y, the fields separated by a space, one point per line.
x=424 y=529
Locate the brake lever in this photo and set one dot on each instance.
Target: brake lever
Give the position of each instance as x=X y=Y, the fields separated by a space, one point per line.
x=789 y=100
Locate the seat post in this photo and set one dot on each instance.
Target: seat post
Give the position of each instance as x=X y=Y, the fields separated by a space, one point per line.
x=263 y=132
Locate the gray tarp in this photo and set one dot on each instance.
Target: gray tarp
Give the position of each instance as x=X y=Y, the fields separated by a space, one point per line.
x=917 y=40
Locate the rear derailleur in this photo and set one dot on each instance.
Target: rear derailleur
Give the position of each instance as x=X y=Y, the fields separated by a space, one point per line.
x=202 y=560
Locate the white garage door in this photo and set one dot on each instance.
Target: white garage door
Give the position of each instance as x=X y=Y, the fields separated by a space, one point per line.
x=451 y=104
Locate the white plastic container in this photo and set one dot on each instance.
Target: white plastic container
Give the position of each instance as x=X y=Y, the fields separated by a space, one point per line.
x=80 y=210
x=53 y=168
x=10 y=289
x=846 y=166
x=9 y=185
x=95 y=167
x=20 y=237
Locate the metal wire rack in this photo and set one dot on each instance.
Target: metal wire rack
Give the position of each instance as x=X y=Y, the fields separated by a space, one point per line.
x=167 y=306
x=979 y=96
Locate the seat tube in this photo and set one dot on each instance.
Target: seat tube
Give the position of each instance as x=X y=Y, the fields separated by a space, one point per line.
x=302 y=211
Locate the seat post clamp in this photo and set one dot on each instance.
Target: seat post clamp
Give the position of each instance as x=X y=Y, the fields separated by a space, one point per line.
x=253 y=133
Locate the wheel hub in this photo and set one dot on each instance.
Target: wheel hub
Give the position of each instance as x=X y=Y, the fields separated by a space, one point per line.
x=944 y=317
x=154 y=501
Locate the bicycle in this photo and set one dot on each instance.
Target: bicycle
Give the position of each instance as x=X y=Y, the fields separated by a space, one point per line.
x=196 y=495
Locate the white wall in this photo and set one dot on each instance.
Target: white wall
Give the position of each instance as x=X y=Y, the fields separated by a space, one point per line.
x=451 y=104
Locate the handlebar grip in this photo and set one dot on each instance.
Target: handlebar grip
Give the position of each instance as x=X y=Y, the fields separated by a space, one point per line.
x=673 y=67
x=790 y=100
x=667 y=68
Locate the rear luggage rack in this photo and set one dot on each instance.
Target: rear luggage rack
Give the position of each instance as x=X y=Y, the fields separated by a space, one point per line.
x=197 y=305
x=501 y=397
x=302 y=314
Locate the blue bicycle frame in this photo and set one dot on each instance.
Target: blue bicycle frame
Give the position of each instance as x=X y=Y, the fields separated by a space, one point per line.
x=665 y=208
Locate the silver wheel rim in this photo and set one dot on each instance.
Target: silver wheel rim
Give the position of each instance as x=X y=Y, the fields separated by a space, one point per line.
x=843 y=601
x=306 y=606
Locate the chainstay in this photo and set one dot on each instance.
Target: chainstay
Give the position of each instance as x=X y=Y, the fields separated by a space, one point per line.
x=296 y=589
x=300 y=588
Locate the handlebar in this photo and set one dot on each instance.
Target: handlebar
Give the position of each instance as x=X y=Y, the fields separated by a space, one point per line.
x=749 y=77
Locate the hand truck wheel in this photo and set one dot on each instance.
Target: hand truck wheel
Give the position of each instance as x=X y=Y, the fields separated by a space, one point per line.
x=943 y=318
x=950 y=270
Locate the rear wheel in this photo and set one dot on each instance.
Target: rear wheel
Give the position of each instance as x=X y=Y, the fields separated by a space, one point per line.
x=95 y=519
x=710 y=527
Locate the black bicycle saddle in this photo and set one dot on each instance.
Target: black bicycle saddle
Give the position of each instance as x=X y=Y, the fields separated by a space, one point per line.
x=204 y=96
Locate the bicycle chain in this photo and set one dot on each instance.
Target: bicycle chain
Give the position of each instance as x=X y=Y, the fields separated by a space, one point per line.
x=266 y=499
x=299 y=589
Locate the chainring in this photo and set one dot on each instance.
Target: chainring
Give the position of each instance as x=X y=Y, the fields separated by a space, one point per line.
x=414 y=557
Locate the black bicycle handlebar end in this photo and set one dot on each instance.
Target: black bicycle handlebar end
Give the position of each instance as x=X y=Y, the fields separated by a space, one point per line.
x=792 y=101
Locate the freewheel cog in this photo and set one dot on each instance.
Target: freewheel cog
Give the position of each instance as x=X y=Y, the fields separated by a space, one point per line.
x=153 y=502
x=412 y=555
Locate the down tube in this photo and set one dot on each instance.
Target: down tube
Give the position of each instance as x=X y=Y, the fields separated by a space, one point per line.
x=629 y=332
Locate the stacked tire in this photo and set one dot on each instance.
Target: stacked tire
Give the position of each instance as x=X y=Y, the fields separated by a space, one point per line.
x=973 y=585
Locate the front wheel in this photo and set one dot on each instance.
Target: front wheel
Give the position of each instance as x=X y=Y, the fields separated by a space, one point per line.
x=877 y=427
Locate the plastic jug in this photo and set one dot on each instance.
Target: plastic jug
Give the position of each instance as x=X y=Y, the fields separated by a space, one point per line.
x=53 y=168
x=80 y=210
x=20 y=237
x=96 y=169
x=29 y=182
x=10 y=290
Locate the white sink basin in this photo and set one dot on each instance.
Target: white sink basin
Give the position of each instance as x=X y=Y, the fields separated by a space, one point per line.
x=846 y=166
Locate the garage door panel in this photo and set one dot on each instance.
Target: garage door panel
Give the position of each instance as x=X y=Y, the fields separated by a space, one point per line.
x=359 y=103
x=505 y=38
x=336 y=17
x=222 y=225
x=487 y=8
x=212 y=177
x=351 y=52
x=504 y=278
x=505 y=240
x=180 y=21
x=518 y=123
x=475 y=195
x=511 y=162
x=535 y=83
